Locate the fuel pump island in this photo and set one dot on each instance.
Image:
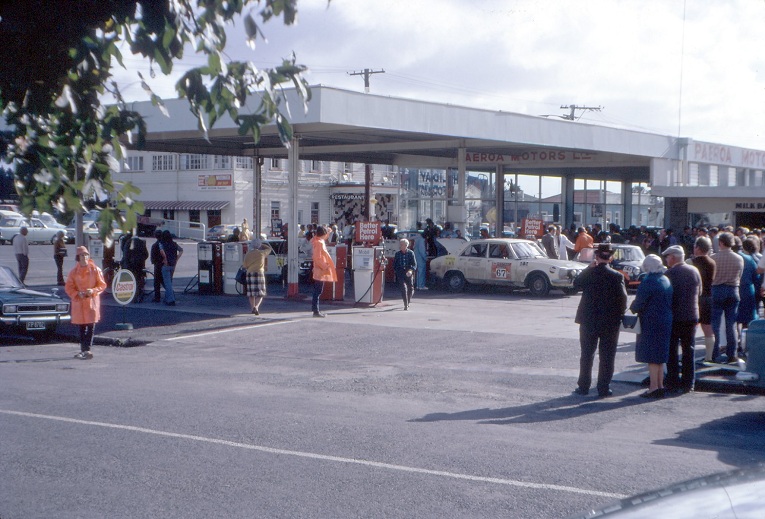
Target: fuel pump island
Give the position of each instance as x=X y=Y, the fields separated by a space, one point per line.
x=368 y=264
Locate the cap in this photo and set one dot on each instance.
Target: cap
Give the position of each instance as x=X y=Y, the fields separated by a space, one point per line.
x=674 y=250
x=82 y=250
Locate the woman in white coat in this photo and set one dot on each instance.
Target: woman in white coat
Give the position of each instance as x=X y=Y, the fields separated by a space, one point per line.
x=563 y=243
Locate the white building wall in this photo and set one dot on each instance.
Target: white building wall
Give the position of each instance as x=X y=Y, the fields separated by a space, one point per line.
x=178 y=183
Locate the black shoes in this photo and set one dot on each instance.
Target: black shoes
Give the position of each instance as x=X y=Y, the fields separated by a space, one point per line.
x=580 y=391
x=255 y=311
x=605 y=394
x=656 y=393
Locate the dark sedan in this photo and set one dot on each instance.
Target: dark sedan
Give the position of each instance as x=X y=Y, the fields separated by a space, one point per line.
x=26 y=310
x=627 y=259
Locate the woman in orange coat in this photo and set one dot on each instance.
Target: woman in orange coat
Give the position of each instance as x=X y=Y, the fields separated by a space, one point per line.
x=84 y=286
x=323 y=268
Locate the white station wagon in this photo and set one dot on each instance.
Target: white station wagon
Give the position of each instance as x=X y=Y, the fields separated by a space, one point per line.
x=514 y=263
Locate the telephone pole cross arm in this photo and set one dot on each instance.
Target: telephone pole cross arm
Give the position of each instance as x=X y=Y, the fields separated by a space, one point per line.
x=366 y=73
x=573 y=108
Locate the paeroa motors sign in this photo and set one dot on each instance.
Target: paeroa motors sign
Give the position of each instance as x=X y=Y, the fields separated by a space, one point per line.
x=124 y=286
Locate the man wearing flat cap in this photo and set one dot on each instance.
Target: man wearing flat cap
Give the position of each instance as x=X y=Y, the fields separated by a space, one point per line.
x=604 y=299
x=686 y=290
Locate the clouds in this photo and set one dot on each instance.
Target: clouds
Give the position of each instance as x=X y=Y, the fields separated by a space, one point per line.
x=531 y=56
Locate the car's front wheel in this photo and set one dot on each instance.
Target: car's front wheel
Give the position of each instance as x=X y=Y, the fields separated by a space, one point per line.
x=455 y=282
x=538 y=285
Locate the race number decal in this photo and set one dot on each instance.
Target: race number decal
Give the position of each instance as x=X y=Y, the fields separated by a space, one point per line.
x=500 y=271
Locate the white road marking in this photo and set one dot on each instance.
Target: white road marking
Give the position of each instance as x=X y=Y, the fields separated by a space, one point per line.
x=322 y=457
x=226 y=330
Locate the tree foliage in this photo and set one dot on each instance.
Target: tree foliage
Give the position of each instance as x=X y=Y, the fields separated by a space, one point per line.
x=65 y=139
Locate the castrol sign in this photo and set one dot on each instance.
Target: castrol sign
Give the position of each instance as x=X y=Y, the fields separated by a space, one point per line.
x=124 y=286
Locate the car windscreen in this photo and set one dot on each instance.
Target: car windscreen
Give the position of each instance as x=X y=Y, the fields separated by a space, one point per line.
x=527 y=250
x=8 y=279
x=629 y=254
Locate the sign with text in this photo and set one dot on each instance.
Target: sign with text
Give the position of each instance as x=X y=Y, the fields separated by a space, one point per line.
x=532 y=227
x=369 y=232
x=124 y=286
x=501 y=271
x=215 y=182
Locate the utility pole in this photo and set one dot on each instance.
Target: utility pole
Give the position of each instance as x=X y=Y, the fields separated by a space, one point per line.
x=366 y=73
x=573 y=108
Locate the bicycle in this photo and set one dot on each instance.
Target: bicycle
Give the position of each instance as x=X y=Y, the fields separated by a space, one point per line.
x=148 y=276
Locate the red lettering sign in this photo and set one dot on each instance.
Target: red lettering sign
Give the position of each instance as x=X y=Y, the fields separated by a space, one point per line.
x=369 y=232
x=532 y=227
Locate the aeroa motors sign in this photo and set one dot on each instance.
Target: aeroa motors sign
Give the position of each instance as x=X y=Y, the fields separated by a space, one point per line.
x=124 y=286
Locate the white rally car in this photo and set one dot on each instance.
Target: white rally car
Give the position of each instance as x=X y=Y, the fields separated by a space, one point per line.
x=516 y=264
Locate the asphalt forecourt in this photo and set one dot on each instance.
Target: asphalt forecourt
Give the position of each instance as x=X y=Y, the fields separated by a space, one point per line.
x=459 y=407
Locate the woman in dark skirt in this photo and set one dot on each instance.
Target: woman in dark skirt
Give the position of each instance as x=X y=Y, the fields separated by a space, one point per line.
x=653 y=303
x=255 y=262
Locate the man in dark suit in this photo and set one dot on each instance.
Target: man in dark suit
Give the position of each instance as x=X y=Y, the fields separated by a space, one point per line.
x=604 y=299
x=157 y=261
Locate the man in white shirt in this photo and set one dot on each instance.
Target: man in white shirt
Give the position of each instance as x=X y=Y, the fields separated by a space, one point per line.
x=21 y=250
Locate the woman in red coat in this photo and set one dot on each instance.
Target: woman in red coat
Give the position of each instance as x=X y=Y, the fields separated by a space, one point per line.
x=323 y=268
x=84 y=286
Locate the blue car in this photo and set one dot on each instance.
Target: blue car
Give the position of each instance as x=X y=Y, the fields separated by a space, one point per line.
x=29 y=311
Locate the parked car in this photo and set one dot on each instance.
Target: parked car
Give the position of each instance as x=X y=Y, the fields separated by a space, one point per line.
x=734 y=494
x=49 y=220
x=30 y=311
x=514 y=263
x=627 y=259
x=38 y=232
x=221 y=232
x=276 y=263
x=90 y=228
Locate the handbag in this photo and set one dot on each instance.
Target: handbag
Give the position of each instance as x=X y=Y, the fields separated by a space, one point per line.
x=241 y=276
x=630 y=324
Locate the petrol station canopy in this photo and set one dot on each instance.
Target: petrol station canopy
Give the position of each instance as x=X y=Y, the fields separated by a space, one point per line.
x=345 y=126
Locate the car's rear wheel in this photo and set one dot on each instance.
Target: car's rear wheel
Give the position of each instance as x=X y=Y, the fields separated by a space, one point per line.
x=455 y=282
x=538 y=285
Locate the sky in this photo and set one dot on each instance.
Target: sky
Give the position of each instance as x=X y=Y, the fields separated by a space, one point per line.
x=689 y=68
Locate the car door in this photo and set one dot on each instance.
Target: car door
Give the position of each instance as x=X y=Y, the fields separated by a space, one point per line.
x=38 y=231
x=472 y=262
x=500 y=264
x=522 y=265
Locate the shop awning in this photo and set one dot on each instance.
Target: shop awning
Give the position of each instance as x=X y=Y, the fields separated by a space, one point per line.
x=154 y=205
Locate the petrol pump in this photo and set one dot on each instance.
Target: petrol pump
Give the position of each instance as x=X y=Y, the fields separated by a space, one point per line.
x=336 y=291
x=233 y=255
x=210 y=267
x=368 y=274
x=369 y=263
